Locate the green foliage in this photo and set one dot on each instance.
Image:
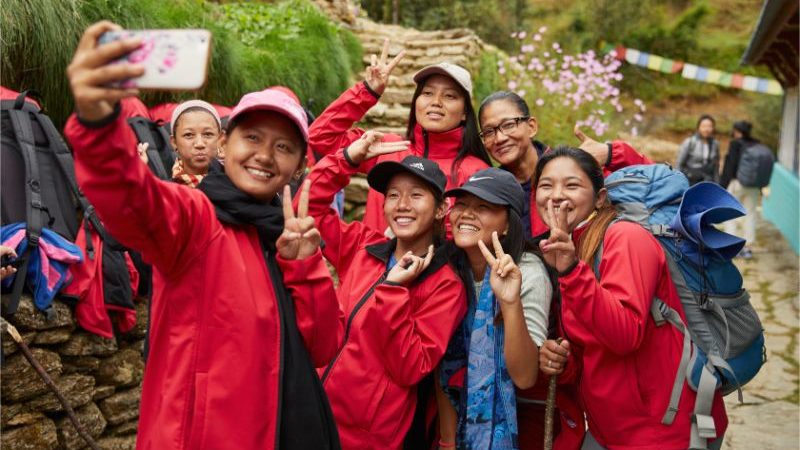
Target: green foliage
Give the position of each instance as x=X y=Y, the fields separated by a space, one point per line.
x=257 y=23
x=487 y=79
x=677 y=40
x=637 y=24
x=492 y=20
x=315 y=58
x=766 y=112
x=289 y=43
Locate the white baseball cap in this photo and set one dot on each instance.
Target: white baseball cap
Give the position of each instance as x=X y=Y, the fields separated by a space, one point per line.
x=459 y=74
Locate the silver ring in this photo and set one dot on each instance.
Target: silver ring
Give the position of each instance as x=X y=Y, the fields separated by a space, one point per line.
x=549 y=363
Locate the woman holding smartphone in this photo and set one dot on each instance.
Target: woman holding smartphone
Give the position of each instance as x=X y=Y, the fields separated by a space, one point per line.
x=495 y=350
x=248 y=306
x=628 y=363
x=400 y=299
x=441 y=124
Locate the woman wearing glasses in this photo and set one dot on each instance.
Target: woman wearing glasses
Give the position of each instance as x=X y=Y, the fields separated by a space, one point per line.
x=508 y=129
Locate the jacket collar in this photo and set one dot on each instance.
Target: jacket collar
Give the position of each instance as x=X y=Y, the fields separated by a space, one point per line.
x=437 y=145
x=541 y=147
x=699 y=138
x=383 y=252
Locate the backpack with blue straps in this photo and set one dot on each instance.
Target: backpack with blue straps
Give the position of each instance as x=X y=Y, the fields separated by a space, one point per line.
x=723 y=336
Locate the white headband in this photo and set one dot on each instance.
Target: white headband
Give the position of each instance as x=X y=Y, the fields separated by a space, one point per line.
x=180 y=109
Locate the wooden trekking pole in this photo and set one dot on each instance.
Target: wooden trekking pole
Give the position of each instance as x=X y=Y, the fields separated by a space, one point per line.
x=549 y=410
x=26 y=351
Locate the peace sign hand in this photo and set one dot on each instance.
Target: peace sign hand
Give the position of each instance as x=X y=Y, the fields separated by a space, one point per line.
x=377 y=76
x=409 y=267
x=369 y=145
x=558 y=249
x=300 y=237
x=506 y=278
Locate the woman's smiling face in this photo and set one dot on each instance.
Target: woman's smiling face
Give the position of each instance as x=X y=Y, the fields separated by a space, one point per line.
x=473 y=219
x=508 y=145
x=440 y=105
x=410 y=209
x=263 y=152
x=563 y=182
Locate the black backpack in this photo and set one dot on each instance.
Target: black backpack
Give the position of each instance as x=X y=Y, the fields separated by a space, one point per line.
x=755 y=165
x=160 y=153
x=39 y=188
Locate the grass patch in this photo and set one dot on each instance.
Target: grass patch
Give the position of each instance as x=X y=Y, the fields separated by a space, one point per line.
x=290 y=43
x=488 y=79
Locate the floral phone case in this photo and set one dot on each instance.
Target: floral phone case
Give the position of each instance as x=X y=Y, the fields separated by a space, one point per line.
x=173 y=59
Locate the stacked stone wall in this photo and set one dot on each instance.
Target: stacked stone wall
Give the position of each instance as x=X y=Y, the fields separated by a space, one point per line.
x=100 y=378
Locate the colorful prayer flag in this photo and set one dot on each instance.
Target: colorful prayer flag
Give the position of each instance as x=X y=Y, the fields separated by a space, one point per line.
x=689 y=71
x=737 y=80
x=632 y=56
x=695 y=72
x=774 y=88
x=654 y=63
x=713 y=76
x=750 y=83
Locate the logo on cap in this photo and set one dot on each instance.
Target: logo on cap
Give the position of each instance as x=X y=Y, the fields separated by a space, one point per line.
x=480 y=178
x=417 y=166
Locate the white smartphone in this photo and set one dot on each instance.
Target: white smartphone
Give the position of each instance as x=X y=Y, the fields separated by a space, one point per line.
x=173 y=59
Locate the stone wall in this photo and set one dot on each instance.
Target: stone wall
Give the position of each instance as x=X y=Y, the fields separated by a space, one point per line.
x=101 y=378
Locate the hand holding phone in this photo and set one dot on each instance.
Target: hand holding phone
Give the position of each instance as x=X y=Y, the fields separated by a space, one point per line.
x=172 y=59
x=90 y=75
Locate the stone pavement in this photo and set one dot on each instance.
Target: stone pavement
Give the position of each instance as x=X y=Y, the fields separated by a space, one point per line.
x=770 y=417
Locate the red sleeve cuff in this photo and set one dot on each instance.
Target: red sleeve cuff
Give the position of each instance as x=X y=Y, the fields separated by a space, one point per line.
x=295 y=270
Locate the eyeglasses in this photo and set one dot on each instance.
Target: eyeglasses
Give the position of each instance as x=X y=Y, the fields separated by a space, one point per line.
x=506 y=127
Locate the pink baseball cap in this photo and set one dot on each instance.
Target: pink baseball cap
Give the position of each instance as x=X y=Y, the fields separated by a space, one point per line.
x=273 y=99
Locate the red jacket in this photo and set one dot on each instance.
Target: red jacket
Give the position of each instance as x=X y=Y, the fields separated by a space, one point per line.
x=628 y=363
x=88 y=286
x=332 y=131
x=212 y=376
x=622 y=155
x=391 y=336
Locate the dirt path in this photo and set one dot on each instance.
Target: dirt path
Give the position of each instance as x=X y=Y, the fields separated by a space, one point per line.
x=770 y=417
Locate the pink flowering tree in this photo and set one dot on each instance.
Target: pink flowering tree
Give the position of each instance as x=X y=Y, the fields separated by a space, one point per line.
x=563 y=89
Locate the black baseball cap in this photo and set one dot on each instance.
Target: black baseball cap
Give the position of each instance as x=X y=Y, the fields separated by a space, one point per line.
x=425 y=169
x=495 y=186
x=743 y=126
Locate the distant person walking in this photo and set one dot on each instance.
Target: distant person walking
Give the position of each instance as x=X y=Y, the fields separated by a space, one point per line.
x=748 y=167
x=698 y=157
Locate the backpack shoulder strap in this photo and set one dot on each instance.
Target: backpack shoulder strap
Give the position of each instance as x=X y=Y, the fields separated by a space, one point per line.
x=67 y=166
x=35 y=209
x=663 y=313
x=141 y=127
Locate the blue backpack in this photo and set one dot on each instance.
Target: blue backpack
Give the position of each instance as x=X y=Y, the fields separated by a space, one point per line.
x=723 y=336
